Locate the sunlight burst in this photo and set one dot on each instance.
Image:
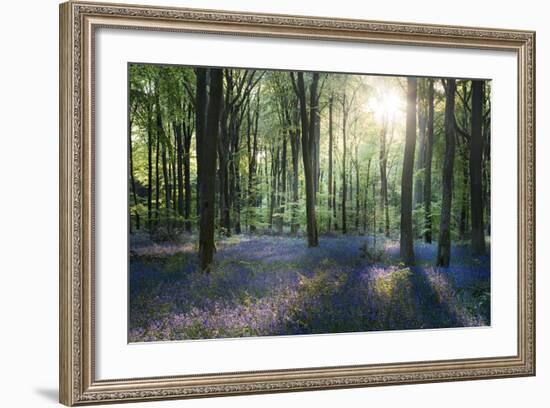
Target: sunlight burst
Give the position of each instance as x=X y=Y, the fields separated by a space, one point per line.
x=386 y=106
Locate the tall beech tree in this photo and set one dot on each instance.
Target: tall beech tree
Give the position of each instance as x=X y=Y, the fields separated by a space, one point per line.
x=486 y=161
x=133 y=109
x=252 y=153
x=316 y=131
x=418 y=199
x=187 y=134
x=344 y=155
x=428 y=154
x=295 y=142
x=201 y=100
x=330 y=149
x=158 y=133
x=476 y=163
x=444 y=242
x=357 y=186
x=406 y=238
x=282 y=183
x=207 y=160
x=383 y=164
x=149 y=114
x=462 y=191
x=366 y=198
x=308 y=146
x=179 y=167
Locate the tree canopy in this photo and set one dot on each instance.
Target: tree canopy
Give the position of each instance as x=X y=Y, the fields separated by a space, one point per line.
x=224 y=151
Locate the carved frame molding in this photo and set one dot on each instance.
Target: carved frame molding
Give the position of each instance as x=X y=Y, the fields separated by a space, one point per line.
x=78 y=20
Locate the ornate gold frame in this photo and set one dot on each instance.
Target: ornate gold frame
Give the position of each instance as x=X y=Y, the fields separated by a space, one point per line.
x=78 y=20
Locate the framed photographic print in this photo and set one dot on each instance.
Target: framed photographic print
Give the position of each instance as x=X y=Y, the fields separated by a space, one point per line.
x=256 y=203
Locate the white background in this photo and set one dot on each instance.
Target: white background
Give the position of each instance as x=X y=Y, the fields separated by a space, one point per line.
x=117 y=359
x=28 y=209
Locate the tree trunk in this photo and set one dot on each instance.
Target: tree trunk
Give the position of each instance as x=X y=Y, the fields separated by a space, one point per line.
x=179 y=167
x=486 y=175
x=406 y=240
x=330 y=192
x=252 y=147
x=187 y=185
x=374 y=211
x=236 y=176
x=132 y=178
x=365 y=198
x=149 y=170
x=476 y=156
x=344 y=181
x=316 y=148
x=207 y=160
x=295 y=151
x=308 y=145
x=383 y=159
x=334 y=207
x=350 y=180
x=173 y=181
x=282 y=186
x=200 y=125
x=428 y=166
x=357 y=205
x=166 y=180
x=444 y=243
x=225 y=215
x=274 y=171
x=157 y=154
x=464 y=199
x=237 y=197
x=421 y=158
x=187 y=135
x=223 y=173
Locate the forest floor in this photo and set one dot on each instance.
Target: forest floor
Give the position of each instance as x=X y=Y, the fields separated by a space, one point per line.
x=274 y=285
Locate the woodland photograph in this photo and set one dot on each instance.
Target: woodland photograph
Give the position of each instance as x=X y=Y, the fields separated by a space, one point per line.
x=265 y=203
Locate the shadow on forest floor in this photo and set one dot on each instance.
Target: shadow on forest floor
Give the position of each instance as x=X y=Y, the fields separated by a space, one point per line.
x=275 y=285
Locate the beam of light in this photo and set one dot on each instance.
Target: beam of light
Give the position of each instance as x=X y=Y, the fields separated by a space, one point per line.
x=385 y=106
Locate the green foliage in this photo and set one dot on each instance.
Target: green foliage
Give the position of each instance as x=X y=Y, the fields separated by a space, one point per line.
x=162 y=102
